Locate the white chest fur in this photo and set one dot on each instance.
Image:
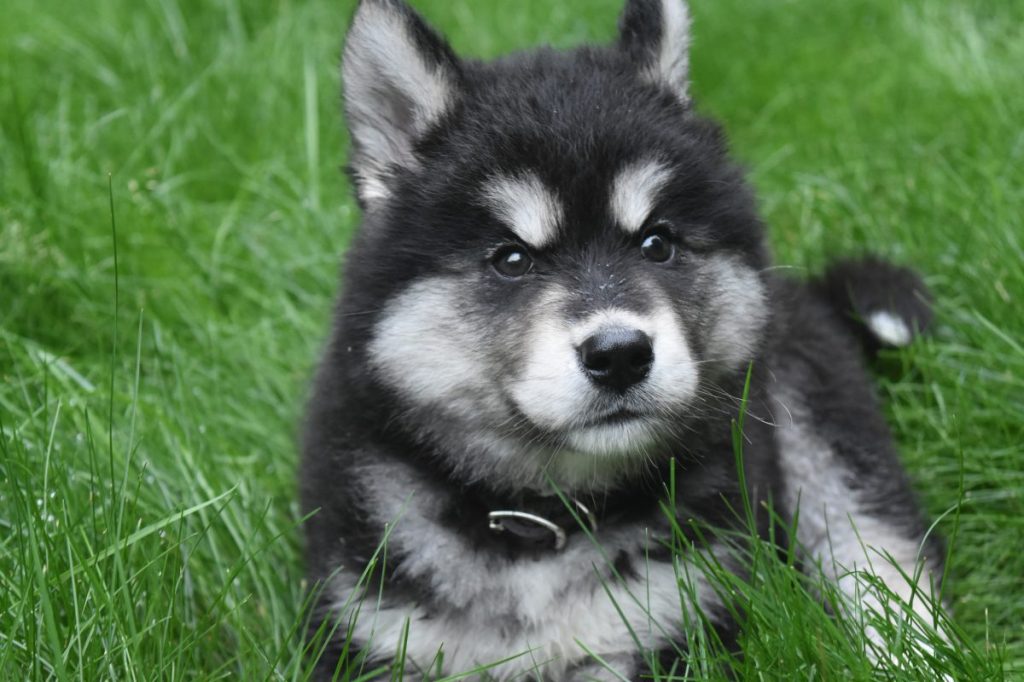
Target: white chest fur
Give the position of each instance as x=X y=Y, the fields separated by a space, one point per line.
x=543 y=615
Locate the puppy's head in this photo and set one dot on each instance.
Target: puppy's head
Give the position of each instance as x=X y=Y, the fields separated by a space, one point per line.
x=557 y=259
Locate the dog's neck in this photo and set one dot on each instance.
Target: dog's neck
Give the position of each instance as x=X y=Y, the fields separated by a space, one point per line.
x=536 y=522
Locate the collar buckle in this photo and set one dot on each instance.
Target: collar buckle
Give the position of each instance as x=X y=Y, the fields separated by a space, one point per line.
x=502 y=521
x=532 y=527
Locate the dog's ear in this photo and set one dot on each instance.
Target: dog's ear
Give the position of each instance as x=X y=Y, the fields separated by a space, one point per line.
x=656 y=36
x=400 y=77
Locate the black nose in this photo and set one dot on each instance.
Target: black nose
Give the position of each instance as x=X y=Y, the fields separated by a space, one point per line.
x=617 y=358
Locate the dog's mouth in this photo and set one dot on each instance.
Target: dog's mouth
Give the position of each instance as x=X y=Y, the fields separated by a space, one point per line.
x=609 y=429
x=619 y=416
x=618 y=432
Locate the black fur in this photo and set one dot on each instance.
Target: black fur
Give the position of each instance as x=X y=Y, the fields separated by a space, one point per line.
x=856 y=288
x=640 y=31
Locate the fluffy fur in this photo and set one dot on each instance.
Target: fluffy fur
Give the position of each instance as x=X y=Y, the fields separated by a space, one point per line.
x=453 y=386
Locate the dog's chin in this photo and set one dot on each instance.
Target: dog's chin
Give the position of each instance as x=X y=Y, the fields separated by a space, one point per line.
x=623 y=436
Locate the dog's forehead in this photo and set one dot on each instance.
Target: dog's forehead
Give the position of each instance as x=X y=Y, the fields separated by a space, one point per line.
x=560 y=142
x=577 y=121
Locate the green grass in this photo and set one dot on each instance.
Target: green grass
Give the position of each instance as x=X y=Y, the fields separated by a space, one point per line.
x=149 y=394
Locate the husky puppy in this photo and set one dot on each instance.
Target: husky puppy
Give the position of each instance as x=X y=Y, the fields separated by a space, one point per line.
x=558 y=295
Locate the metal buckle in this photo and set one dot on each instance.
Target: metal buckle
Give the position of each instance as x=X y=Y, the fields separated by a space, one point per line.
x=494 y=522
x=587 y=514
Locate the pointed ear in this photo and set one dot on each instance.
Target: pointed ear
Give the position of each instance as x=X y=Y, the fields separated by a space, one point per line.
x=656 y=36
x=400 y=77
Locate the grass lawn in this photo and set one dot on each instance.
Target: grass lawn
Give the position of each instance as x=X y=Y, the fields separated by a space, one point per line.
x=150 y=391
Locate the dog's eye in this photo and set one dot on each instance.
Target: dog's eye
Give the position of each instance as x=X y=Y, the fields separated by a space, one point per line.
x=657 y=244
x=512 y=261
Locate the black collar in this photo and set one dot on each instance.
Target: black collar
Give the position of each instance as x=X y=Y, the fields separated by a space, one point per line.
x=531 y=523
x=543 y=522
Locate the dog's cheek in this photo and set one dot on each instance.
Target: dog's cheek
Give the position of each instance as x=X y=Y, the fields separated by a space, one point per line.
x=736 y=313
x=432 y=351
x=676 y=372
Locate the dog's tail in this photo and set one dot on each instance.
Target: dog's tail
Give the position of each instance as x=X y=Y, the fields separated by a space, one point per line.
x=884 y=305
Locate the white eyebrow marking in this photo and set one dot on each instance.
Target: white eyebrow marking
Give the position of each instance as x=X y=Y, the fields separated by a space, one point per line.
x=634 y=191
x=529 y=208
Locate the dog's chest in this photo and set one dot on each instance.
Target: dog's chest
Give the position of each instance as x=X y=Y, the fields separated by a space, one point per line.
x=540 y=614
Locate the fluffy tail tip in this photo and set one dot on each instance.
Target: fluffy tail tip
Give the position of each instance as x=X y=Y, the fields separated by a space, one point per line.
x=887 y=305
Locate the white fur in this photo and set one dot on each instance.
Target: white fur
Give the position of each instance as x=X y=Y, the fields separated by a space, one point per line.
x=426 y=349
x=635 y=191
x=673 y=62
x=889 y=328
x=740 y=309
x=372 y=187
x=382 y=68
x=838 y=530
x=555 y=604
x=527 y=206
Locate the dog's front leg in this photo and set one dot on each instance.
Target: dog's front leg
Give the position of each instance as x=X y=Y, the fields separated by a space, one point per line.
x=859 y=524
